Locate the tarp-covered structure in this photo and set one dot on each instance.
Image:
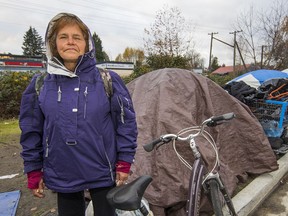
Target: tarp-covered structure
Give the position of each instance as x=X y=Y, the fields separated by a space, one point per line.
x=257 y=77
x=168 y=100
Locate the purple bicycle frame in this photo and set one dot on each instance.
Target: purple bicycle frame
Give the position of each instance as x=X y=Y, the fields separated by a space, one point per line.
x=195 y=187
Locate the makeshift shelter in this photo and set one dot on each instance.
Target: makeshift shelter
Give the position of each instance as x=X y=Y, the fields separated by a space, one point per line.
x=168 y=100
x=256 y=78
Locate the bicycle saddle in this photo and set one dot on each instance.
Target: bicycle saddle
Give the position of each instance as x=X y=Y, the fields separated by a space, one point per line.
x=128 y=196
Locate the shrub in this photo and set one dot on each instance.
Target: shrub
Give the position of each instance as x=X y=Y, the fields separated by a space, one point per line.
x=12 y=85
x=221 y=80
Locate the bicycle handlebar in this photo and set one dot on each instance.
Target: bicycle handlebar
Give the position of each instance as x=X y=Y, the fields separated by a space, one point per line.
x=149 y=147
x=214 y=121
x=211 y=122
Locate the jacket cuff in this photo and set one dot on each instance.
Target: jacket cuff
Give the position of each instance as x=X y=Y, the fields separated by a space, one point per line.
x=34 y=177
x=123 y=166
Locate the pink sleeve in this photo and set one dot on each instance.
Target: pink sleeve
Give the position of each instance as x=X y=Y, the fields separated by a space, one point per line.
x=34 y=178
x=123 y=166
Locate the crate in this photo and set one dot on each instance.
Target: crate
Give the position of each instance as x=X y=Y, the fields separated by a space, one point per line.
x=271 y=114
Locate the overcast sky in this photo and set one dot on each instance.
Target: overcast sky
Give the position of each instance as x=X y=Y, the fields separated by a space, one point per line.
x=121 y=23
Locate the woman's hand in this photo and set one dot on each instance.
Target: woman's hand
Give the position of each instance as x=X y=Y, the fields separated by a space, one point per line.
x=39 y=192
x=121 y=178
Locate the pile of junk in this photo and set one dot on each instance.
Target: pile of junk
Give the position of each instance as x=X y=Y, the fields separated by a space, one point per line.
x=267 y=100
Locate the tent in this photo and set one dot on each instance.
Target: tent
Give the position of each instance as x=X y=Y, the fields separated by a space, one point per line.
x=166 y=101
x=256 y=78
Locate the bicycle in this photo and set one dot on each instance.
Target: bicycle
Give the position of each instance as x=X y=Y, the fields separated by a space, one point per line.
x=201 y=178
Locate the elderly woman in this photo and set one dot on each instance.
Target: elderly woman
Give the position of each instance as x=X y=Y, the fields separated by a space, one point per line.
x=73 y=136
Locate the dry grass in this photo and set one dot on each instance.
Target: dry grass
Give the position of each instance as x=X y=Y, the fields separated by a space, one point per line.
x=9 y=130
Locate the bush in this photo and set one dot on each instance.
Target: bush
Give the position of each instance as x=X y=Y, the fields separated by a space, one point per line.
x=221 y=80
x=138 y=71
x=12 y=85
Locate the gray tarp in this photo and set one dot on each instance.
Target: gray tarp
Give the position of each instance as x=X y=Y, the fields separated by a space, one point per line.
x=168 y=100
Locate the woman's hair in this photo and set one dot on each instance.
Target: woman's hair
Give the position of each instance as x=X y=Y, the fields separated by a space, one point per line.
x=59 y=24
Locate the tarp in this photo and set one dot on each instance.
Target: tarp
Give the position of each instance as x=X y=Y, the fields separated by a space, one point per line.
x=9 y=202
x=256 y=78
x=169 y=100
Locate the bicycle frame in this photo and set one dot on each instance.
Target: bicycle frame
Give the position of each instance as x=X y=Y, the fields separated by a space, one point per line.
x=195 y=187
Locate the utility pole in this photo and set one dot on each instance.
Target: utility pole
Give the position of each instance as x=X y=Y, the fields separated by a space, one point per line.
x=234 y=50
x=241 y=57
x=262 y=54
x=210 y=55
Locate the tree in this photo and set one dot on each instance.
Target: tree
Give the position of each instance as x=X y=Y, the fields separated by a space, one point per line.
x=169 y=35
x=195 y=60
x=249 y=25
x=168 y=41
x=263 y=35
x=119 y=58
x=32 y=43
x=100 y=55
x=131 y=55
x=166 y=61
x=281 y=48
x=215 y=64
x=275 y=32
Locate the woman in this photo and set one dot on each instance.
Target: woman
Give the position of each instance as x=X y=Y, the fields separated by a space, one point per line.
x=73 y=136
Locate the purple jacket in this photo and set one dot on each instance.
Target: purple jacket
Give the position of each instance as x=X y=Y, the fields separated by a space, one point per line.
x=73 y=132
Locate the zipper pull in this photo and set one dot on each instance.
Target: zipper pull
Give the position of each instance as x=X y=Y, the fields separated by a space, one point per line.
x=86 y=92
x=128 y=103
x=85 y=104
x=47 y=147
x=122 y=115
x=59 y=94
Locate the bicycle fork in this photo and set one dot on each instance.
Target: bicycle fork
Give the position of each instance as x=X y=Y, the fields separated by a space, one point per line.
x=222 y=189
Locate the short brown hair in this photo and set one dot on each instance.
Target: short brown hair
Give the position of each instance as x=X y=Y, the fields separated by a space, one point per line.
x=67 y=19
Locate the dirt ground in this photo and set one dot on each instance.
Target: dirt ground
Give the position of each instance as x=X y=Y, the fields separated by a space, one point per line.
x=11 y=163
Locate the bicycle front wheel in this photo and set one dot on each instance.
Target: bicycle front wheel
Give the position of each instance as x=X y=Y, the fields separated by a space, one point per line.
x=215 y=197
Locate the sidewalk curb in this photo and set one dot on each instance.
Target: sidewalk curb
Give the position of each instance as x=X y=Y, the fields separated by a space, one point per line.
x=248 y=199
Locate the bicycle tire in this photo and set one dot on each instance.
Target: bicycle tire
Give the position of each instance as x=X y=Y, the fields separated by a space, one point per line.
x=214 y=192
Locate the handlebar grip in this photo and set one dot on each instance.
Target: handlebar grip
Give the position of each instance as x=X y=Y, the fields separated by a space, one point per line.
x=149 y=147
x=214 y=121
x=226 y=116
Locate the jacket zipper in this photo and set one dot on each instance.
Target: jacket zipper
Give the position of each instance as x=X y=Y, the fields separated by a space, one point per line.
x=110 y=166
x=59 y=94
x=85 y=104
x=47 y=147
x=122 y=114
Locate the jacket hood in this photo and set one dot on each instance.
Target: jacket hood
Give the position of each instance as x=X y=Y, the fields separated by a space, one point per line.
x=54 y=65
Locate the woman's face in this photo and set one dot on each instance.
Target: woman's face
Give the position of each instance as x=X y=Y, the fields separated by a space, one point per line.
x=70 y=43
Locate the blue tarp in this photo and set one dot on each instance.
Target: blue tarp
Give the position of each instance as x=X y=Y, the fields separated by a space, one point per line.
x=9 y=202
x=256 y=78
